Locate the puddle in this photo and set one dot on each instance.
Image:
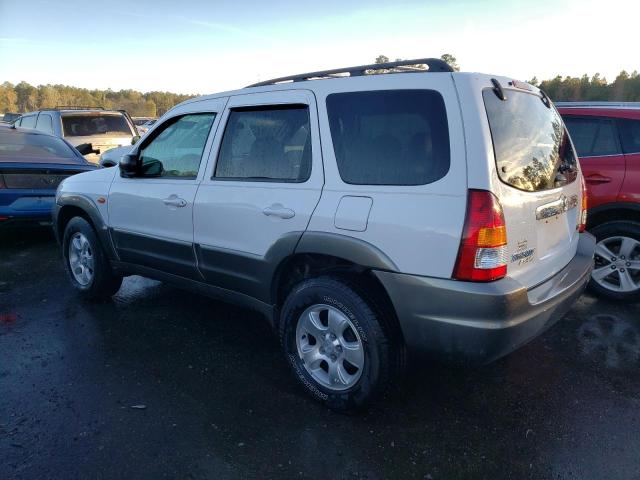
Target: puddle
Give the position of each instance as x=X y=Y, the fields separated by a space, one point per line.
x=610 y=338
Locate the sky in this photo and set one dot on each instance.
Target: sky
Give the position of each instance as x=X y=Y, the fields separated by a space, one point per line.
x=205 y=47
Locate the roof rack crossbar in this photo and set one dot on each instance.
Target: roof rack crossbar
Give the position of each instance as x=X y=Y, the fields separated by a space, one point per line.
x=433 y=65
x=74 y=107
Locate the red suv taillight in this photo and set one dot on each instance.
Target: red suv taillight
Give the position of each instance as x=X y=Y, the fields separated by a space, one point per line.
x=583 y=213
x=482 y=256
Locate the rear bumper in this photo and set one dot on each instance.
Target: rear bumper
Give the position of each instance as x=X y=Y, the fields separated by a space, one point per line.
x=20 y=208
x=480 y=322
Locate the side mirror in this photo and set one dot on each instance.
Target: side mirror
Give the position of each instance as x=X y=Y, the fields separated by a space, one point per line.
x=135 y=139
x=128 y=165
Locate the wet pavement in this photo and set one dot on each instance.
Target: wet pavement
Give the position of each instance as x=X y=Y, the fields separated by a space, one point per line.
x=216 y=399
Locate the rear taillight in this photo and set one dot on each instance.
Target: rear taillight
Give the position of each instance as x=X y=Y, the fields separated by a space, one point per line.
x=482 y=256
x=582 y=225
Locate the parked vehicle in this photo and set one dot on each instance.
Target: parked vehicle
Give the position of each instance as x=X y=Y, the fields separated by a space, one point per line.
x=96 y=128
x=112 y=157
x=32 y=164
x=10 y=117
x=434 y=213
x=143 y=124
x=607 y=138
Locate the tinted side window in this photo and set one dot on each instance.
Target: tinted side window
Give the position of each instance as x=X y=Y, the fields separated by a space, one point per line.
x=630 y=135
x=45 y=123
x=28 y=121
x=176 y=150
x=266 y=144
x=389 y=137
x=593 y=136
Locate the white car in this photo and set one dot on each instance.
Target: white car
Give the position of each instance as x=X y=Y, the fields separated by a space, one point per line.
x=366 y=216
x=143 y=124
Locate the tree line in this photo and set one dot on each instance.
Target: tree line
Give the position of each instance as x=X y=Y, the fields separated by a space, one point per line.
x=625 y=88
x=24 y=97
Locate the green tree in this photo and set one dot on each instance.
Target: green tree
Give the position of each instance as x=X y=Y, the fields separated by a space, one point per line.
x=8 y=98
x=451 y=60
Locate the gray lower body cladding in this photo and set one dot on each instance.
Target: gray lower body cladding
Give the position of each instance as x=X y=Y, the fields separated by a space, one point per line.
x=480 y=322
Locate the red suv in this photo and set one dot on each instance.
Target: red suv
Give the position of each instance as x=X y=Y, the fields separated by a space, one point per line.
x=607 y=138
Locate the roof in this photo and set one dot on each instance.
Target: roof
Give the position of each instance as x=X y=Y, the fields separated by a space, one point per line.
x=630 y=110
x=609 y=105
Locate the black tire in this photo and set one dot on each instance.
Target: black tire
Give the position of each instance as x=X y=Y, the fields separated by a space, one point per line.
x=383 y=351
x=104 y=283
x=608 y=230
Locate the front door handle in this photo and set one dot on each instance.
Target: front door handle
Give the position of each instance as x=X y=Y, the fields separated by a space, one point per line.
x=175 y=201
x=278 y=210
x=595 y=179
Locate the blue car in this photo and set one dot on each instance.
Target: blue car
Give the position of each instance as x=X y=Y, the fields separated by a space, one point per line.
x=32 y=165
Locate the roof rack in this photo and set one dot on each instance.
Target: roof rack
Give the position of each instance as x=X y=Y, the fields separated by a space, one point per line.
x=74 y=107
x=432 y=64
x=598 y=104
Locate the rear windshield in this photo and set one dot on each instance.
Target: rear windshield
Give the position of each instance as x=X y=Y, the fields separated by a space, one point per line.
x=14 y=145
x=86 y=125
x=389 y=137
x=532 y=149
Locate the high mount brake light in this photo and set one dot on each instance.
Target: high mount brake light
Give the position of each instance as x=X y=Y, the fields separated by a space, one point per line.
x=482 y=256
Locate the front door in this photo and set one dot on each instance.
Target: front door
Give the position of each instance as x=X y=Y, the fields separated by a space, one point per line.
x=260 y=192
x=151 y=215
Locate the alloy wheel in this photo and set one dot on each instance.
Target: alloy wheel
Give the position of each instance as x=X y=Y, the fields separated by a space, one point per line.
x=618 y=264
x=330 y=347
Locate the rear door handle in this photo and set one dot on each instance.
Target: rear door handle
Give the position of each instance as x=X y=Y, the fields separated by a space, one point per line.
x=175 y=201
x=278 y=210
x=594 y=179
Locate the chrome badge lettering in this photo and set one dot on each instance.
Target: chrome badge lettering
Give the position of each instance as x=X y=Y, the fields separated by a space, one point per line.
x=557 y=207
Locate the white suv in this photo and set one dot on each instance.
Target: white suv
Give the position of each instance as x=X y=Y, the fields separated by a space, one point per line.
x=366 y=216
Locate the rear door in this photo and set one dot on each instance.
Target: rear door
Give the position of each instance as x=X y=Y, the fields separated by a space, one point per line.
x=264 y=181
x=603 y=164
x=539 y=185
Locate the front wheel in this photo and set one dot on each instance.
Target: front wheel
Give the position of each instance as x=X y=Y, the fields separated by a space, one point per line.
x=86 y=262
x=337 y=342
x=616 y=275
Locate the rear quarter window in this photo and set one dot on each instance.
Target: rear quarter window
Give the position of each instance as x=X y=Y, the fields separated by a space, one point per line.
x=389 y=137
x=630 y=135
x=532 y=148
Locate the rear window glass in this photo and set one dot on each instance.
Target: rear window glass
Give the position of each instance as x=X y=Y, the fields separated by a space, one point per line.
x=86 y=125
x=17 y=144
x=593 y=137
x=389 y=137
x=630 y=134
x=532 y=149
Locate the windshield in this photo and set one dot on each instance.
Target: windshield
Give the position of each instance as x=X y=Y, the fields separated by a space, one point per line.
x=20 y=144
x=95 y=124
x=532 y=149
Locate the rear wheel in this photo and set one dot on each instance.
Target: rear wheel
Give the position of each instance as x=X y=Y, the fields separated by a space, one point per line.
x=338 y=343
x=616 y=275
x=86 y=262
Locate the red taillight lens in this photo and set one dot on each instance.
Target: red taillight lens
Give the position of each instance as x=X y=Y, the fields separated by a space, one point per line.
x=483 y=251
x=583 y=213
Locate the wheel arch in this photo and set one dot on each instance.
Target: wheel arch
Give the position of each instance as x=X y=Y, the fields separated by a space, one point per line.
x=613 y=212
x=319 y=253
x=70 y=206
